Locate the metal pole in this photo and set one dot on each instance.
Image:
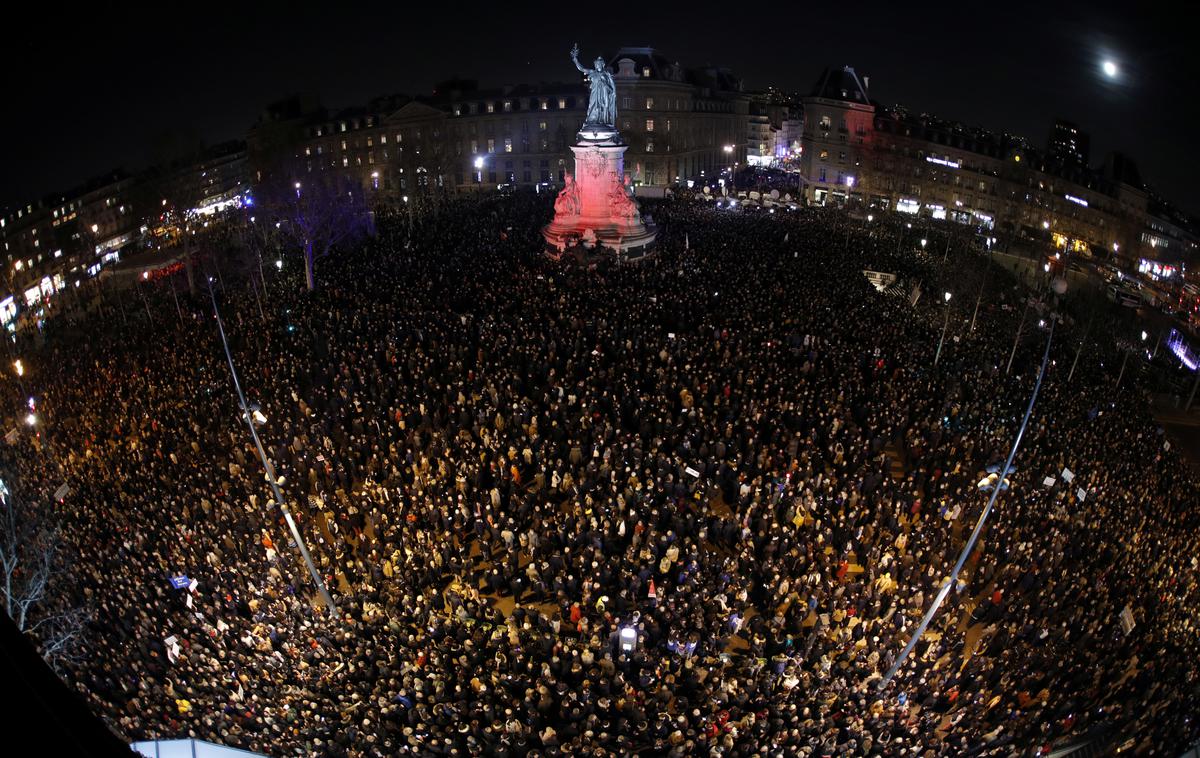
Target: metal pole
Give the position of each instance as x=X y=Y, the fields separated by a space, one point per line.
x=217 y=266
x=982 y=284
x=962 y=558
x=1075 y=362
x=146 y=303
x=1121 y=375
x=254 y=286
x=1017 y=339
x=287 y=515
x=175 y=297
x=946 y=254
x=943 y=339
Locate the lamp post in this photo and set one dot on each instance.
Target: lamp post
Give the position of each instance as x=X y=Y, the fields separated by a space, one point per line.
x=999 y=485
x=1079 y=350
x=1017 y=339
x=945 y=326
x=247 y=414
x=982 y=284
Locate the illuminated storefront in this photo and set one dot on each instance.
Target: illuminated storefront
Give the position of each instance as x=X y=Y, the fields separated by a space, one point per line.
x=8 y=309
x=1155 y=270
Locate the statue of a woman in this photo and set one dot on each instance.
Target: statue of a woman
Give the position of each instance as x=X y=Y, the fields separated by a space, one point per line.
x=602 y=103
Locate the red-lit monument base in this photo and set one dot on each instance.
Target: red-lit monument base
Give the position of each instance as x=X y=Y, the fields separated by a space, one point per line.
x=596 y=208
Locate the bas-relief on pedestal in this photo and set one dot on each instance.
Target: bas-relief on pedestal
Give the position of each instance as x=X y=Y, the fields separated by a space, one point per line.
x=596 y=207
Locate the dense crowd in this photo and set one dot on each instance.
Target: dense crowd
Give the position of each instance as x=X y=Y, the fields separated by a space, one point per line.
x=738 y=448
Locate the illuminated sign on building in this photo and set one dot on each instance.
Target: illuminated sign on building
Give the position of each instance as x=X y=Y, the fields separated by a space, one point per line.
x=905 y=205
x=1154 y=269
x=1077 y=200
x=944 y=162
x=1182 y=350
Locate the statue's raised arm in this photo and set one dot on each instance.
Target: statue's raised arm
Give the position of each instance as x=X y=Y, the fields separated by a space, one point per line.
x=575 y=58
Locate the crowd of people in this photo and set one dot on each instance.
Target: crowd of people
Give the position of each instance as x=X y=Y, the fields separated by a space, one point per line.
x=695 y=505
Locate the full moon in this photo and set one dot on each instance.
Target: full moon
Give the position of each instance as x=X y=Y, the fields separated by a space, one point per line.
x=1110 y=69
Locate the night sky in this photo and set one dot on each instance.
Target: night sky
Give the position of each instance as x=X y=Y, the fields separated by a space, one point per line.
x=92 y=90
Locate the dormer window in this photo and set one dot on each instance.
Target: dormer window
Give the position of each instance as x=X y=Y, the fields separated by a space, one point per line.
x=646 y=72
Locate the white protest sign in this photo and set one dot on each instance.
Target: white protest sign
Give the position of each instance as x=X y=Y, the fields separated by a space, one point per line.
x=1067 y=475
x=1127 y=622
x=1049 y=481
x=1081 y=494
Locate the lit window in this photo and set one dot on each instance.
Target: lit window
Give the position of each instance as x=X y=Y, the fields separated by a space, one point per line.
x=543 y=104
x=541 y=126
x=646 y=71
x=345 y=161
x=562 y=103
x=343 y=144
x=491 y=146
x=649 y=103
x=649 y=124
x=308 y=151
x=383 y=139
x=343 y=126
x=650 y=146
x=474 y=146
x=508 y=106
x=508 y=144
x=491 y=107
x=370 y=142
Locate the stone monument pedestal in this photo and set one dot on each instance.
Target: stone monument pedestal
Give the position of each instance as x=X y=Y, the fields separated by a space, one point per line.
x=596 y=208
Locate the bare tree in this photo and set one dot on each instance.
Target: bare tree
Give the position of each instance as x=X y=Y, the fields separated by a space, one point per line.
x=31 y=559
x=317 y=216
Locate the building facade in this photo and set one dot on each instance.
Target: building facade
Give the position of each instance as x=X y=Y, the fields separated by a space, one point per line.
x=859 y=153
x=65 y=239
x=680 y=124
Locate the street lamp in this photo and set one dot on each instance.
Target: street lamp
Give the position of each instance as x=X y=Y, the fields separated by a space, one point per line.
x=31 y=419
x=20 y=367
x=945 y=326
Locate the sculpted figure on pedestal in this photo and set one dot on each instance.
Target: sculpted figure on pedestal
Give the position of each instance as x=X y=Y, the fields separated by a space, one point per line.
x=602 y=103
x=568 y=203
